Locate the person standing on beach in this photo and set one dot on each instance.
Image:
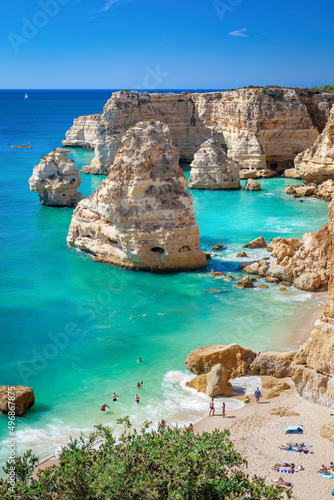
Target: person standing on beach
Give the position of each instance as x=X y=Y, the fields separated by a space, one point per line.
x=257 y=395
x=212 y=408
x=223 y=410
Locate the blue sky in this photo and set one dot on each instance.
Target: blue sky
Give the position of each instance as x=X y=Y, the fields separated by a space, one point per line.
x=213 y=44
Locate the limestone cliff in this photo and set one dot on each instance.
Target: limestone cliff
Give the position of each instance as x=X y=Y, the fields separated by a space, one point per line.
x=83 y=133
x=305 y=263
x=56 y=180
x=263 y=129
x=141 y=217
x=316 y=164
x=212 y=169
x=312 y=366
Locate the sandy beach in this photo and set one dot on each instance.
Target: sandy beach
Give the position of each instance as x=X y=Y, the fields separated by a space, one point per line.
x=257 y=435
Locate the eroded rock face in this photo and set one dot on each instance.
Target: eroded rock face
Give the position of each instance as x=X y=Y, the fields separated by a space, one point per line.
x=305 y=263
x=262 y=129
x=233 y=358
x=141 y=217
x=83 y=133
x=212 y=169
x=259 y=242
x=252 y=185
x=322 y=191
x=24 y=399
x=273 y=364
x=316 y=164
x=56 y=180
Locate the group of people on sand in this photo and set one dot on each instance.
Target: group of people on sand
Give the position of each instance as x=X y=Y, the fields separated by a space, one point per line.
x=329 y=469
x=114 y=396
x=213 y=410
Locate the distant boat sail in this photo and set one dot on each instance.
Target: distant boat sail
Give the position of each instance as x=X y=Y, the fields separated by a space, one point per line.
x=26 y=96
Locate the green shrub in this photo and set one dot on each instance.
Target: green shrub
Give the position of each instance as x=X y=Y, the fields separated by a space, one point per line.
x=171 y=464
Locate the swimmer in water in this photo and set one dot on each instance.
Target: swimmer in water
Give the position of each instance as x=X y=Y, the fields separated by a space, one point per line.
x=131 y=317
x=140 y=360
x=137 y=398
x=139 y=385
x=114 y=396
x=103 y=407
x=162 y=314
x=144 y=315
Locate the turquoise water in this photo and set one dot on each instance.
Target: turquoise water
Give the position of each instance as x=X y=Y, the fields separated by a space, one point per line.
x=65 y=328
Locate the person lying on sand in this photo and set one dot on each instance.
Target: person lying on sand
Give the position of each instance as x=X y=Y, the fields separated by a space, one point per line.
x=296 y=446
x=281 y=482
x=331 y=466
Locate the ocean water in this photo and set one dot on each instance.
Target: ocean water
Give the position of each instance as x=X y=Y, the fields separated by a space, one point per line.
x=65 y=327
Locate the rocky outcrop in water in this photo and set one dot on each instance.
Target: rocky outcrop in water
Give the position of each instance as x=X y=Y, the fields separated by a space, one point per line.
x=212 y=169
x=56 y=180
x=216 y=365
x=141 y=217
x=305 y=263
x=316 y=164
x=23 y=399
x=263 y=129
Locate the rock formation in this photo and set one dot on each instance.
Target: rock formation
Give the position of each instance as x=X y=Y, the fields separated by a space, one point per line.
x=212 y=169
x=252 y=185
x=312 y=366
x=259 y=242
x=316 y=164
x=305 y=263
x=263 y=129
x=232 y=357
x=56 y=180
x=24 y=399
x=216 y=364
x=245 y=282
x=215 y=383
x=322 y=191
x=83 y=133
x=141 y=217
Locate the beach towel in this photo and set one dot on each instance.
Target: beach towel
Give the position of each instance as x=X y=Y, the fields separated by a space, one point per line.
x=327 y=476
x=294 y=429
x=286 y=471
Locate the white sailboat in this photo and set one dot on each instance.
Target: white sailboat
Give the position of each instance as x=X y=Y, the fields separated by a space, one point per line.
x=26 y=96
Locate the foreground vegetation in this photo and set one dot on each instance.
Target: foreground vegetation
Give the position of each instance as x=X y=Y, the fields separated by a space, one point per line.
x=171 y=464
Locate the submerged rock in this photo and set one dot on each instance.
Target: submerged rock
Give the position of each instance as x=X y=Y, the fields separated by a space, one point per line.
x=212 y=169
x=24 y=399
x=218 y=246
x=56 y=180
x=141 y=217
x=245 y=282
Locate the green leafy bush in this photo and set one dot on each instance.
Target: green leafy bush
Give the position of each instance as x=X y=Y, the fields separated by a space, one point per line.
x=171 y=464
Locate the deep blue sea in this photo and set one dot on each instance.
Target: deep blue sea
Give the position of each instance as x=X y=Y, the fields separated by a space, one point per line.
x=65 y=327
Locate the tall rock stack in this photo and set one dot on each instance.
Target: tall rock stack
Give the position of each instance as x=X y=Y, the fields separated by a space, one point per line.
x=211 y=168
x=141 y=217
x=56 y=180
x=316 y=164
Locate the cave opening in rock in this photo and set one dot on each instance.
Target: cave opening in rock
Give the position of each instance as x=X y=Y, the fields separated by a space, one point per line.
x=158 y=250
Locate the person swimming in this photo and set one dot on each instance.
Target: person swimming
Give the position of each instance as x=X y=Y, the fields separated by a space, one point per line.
x=114 y=396
x=137 y=398
x=140 y=360
x=103 y=407
x=139 y=385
